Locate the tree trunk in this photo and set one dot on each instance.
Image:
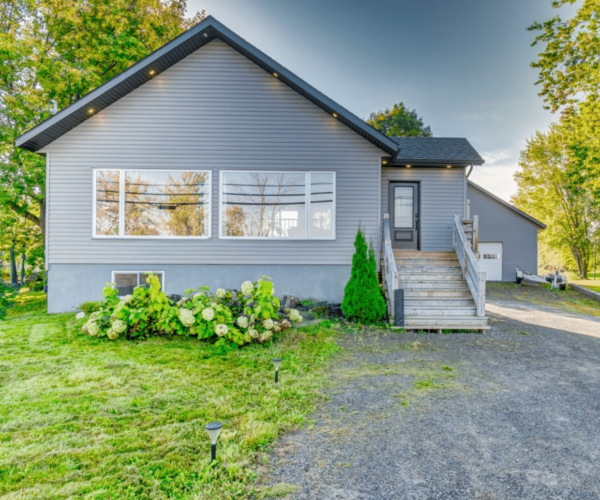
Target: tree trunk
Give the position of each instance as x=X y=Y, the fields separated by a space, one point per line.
x=42 y=219
x=13 y=267
x=23 y=269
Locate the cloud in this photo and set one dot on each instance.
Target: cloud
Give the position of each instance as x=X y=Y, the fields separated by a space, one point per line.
x=496 y=175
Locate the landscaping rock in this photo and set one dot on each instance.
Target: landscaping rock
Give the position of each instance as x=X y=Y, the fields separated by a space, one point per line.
x=289 y=302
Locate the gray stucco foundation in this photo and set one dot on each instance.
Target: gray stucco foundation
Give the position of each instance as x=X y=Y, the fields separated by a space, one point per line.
x=71 y=284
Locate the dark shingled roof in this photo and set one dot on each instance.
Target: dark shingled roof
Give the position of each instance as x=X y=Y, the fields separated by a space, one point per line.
x=436 y=151
x=168 y=55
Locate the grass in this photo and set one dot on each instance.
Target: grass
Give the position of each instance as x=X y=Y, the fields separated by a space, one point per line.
x=82 y=417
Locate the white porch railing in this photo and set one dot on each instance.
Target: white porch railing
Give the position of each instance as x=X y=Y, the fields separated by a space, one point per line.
x=389 y=271
x=470 y=266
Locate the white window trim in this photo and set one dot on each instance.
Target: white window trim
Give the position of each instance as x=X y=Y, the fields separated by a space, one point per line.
x=114 y=273
x=307 y=211
x=122 y=235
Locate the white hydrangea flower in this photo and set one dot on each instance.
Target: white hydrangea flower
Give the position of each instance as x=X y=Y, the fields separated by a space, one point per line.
x=128 y=298
x=186 y=317
x=92 y=328
x=111 y=334
x=253 y=333
x=276 y=328
x=94 y=316
x=264 y=337
x=294 y=315
x=285 y=324
x=221 y=330
x=80 y=315
x=242 y=322
x=247 y=288
x=198 y=294
x=119 y=326
x=221 y=292
x=268 y=324
x=208 y=314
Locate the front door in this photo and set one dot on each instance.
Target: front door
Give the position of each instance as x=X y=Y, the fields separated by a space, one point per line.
x=404 y=215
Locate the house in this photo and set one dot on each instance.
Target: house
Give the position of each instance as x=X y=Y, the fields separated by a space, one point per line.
x=210 y=163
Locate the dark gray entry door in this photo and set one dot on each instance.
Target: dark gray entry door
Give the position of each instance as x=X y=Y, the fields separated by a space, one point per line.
x=404 y=215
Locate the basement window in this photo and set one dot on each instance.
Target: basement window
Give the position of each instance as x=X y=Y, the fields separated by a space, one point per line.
x=126 y=281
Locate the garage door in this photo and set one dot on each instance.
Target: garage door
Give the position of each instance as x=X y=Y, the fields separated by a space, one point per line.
x=490 y=260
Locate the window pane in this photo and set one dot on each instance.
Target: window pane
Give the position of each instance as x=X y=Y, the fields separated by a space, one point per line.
x=403 y=207
x=167 y=203
x=322 y=192
x=264 y=204
x=125 y=283
x=144 y=278
x=107 y=202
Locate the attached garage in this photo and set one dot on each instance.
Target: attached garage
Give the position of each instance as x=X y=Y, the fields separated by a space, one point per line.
x=508 y=237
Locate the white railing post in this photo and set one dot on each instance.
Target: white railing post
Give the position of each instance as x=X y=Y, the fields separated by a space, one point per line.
x=470 y=265
x=391 y=271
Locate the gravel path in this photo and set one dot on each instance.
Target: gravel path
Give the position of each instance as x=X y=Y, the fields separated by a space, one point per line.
x=511 y=414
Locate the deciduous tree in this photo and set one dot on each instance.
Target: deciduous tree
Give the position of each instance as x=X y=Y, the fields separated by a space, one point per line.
x=399 y=122
x=53 y=52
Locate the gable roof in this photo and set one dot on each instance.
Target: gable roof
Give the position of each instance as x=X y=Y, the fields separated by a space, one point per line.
x=506 y=204
x=436 y=151
x=165 y=57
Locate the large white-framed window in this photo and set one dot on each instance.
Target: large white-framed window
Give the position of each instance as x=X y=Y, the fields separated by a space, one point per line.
x=293 y=205
x=126 y=281
x=141 y=203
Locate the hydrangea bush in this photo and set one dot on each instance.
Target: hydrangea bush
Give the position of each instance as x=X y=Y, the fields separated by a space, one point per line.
x=229 y=316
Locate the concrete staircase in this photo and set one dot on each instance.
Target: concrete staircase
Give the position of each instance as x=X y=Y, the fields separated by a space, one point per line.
x=436 y=297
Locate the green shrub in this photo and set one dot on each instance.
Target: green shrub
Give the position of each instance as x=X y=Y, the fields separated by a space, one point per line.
x=91 y=306
x=363 y=301
x=231 y=316
x=8 y=295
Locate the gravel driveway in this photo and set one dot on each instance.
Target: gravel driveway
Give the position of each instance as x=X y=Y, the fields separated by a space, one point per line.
x=511 y=414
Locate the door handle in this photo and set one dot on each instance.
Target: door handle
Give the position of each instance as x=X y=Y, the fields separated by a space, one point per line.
x=417 y=221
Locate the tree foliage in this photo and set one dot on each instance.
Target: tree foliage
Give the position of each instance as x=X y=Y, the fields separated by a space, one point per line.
x=53 y=52
x=553 y=187
x=399 y=122
x=363 y=301
x=569 y=65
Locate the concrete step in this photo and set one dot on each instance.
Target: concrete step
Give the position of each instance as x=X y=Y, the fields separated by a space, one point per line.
x=429 y=277
x=458 y=285
x=451 y=322
x=440 y=311
x=437 y=294
x=437 y=302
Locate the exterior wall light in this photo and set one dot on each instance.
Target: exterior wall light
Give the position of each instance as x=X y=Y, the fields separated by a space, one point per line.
x=91 y=110
x=408 y=166
x=384 y=162
x=277 y=363
x=205 y=35
x=213 y=429
x=335 y=115
x=275 y=74
x=151 y=72
x=448 y=166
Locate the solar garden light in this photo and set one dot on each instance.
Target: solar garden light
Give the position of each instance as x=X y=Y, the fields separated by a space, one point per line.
x=213 y=429
x=277 y=363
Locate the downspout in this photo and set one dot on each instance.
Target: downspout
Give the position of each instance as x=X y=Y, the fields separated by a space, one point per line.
x=470 y=170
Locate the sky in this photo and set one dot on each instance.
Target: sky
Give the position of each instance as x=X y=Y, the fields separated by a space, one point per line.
x=464 y=65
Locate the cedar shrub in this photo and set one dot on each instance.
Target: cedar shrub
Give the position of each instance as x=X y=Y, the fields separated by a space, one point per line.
x=363 y=301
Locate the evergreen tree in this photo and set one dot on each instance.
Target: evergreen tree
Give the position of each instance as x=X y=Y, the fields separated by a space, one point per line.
x=363 y=302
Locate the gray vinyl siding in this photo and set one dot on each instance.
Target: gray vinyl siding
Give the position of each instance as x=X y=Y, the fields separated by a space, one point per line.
x=443 y=195
x=214 y=110
x=499 y=224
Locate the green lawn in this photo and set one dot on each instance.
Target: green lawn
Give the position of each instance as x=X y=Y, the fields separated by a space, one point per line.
x=82 y=417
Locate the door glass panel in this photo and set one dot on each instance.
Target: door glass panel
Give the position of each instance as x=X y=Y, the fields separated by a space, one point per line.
x=403 y=207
